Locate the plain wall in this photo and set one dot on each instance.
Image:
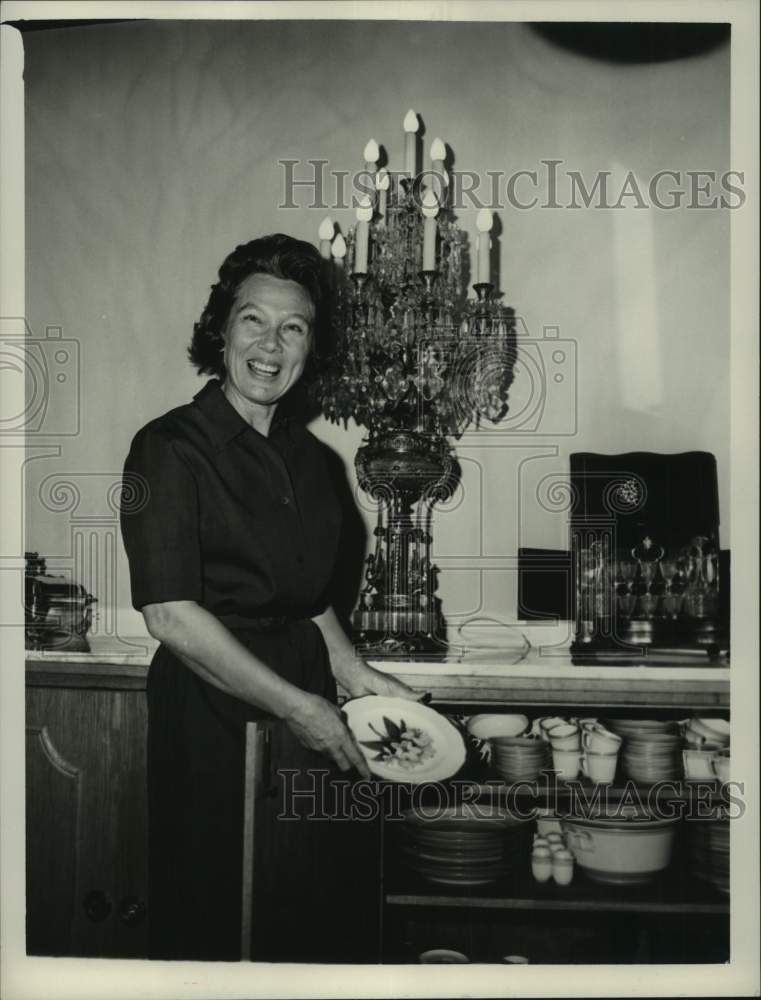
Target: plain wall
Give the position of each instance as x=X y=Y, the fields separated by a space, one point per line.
x=153 y=148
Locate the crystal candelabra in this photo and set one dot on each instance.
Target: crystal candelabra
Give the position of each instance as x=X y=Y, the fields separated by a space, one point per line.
x=415 y=362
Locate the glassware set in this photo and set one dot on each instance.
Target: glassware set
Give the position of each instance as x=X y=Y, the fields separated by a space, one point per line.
x=667 y=587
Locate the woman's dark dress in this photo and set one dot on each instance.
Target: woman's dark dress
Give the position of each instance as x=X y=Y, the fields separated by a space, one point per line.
x=247 y=527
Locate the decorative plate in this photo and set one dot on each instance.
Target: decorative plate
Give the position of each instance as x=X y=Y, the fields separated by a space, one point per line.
x=404 y=740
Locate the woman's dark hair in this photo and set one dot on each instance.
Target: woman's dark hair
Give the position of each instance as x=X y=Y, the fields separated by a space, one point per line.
x=279 y=255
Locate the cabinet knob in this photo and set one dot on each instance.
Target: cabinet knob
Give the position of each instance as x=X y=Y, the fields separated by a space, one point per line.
x=132 y=911
x=97 y=905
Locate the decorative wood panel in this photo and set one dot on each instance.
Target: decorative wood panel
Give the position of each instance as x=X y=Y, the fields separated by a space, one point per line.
x=52 y=844
x=101 y=892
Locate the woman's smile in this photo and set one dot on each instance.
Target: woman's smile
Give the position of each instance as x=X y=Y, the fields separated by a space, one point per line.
x=263 y=369
x=267 y=339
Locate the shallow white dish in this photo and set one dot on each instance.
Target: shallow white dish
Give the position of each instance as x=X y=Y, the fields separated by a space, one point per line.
x=494 y=724
x=366 y=718
x=716 y=730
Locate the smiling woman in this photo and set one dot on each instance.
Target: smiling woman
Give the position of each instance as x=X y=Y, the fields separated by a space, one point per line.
x=231 y=560
x=267 y=339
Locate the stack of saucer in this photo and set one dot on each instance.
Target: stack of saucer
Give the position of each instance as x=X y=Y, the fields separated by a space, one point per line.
x=520 y=758
x=651 y=749
x=463 y=845
x=638 y=727
x=709 y=852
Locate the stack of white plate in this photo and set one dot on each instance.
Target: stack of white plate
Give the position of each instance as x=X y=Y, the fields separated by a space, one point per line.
x=464 y=845
x=709 y=852
x=520 y=758
x=637 y=727
x=651 y=749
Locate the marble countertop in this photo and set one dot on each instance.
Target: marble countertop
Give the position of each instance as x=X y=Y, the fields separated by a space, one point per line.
x=544 y=660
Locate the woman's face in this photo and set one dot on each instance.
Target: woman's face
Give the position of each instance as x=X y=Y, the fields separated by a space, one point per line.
x=267 y=337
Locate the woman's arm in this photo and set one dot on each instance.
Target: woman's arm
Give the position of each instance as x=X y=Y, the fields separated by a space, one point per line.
x=203 y=644
x=354 y=675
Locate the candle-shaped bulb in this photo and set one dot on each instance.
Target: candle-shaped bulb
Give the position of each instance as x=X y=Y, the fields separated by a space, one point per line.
x=382 y=184
x=364 y=208
x=438 y=150
x=411 y=123
x=325 y=233
x=438 y=180
x=362 y=234
x=372 y=152
x=430 y=209
x=430 y=204
x=484 y=220
x=338 y=247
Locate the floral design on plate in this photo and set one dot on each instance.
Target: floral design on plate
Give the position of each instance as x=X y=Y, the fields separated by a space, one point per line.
x=405 y=740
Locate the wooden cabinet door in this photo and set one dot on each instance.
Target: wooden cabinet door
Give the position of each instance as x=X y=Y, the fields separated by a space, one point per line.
x=86 y=822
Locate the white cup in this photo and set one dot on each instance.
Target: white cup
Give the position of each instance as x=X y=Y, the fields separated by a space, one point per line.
x=565 y=737
x=549 y=722
x=698 y=764
x=600 y=740
x=599 y=767
x=541 y=866
x=720 y=763
x=566 y=763
x=562 y=867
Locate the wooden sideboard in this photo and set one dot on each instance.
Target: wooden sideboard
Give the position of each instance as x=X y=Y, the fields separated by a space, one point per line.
x=86 y=801
x=85 y=810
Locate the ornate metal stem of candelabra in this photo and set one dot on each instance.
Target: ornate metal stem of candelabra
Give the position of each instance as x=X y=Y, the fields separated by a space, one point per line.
x=398 y=611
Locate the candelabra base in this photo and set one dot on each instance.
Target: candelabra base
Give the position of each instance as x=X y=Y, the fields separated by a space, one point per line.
x=420 y=648
x=399 y=614
x=387 y=634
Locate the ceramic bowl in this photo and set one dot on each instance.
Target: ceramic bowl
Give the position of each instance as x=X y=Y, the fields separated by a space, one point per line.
x=622 y=852
x=487 y=726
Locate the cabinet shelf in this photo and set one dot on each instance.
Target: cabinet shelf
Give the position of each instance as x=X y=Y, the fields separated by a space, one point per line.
x=576 y=905
x=678 y=790
x=582 y=895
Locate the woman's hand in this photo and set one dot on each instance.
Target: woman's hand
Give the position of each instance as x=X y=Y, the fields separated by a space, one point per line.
x=319 y=725
x=354 y=675
x=358 y=678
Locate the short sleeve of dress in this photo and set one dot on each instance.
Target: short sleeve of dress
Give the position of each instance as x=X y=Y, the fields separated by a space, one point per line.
x=160 y=522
